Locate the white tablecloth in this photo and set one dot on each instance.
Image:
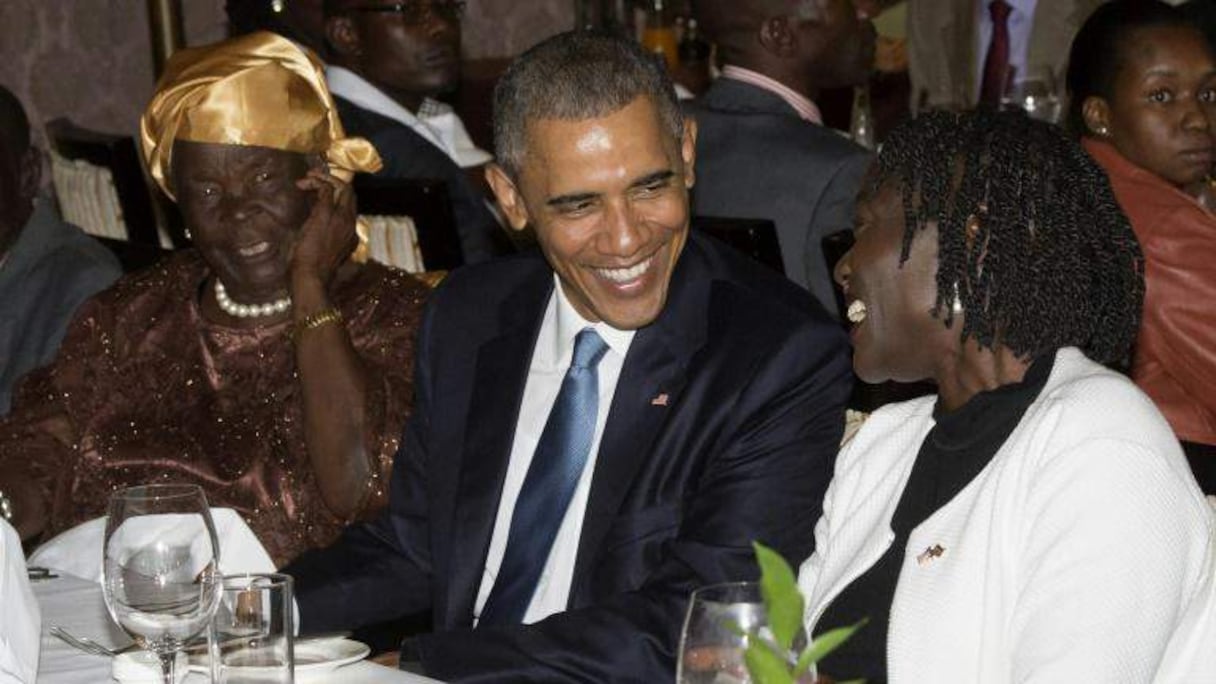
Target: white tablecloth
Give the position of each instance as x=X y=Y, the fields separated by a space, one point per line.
x=76 y=605
x=19 y=614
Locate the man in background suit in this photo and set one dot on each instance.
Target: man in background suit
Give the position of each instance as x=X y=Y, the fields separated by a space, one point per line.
x=600 y=427
x=387 y=63
x=48 y=268
x=949 y=44
x=763 y=151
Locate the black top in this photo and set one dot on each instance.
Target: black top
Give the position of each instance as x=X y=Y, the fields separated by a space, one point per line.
x=954 y=452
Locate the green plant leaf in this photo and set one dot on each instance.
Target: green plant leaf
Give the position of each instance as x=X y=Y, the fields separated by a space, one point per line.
x=764 y=665
x=804 y=662
x=826 y=643
x=782 y=600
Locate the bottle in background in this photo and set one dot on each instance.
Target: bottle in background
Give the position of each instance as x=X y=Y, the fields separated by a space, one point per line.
x=603 y=15
x=861 y=127
x=694 y=54
x=659 y=34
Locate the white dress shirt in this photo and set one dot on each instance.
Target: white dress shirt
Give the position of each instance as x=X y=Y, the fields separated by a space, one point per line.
x=436 y=121
x=1020 y=22
x=550 y=360
x=20 y=619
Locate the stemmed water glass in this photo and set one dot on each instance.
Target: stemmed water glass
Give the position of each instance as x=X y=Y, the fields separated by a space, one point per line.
x=161 y=577
x=1037 y=94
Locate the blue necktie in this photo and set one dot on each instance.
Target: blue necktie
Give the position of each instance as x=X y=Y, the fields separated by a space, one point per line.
x=549 y=485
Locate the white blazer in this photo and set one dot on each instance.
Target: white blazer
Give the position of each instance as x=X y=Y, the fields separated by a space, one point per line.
x=1083 y=552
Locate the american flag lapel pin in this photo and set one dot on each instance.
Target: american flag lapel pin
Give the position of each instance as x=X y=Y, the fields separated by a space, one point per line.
x=935 y=551
x=660 y=400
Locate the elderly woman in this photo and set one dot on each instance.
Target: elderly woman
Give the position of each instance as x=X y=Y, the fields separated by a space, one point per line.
x=264 y=364
x=1142 y=83
x=1035 y=521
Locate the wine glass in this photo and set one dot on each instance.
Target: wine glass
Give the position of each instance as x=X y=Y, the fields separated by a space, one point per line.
x=1038 y=94
x=161 y=577
x=717 y=631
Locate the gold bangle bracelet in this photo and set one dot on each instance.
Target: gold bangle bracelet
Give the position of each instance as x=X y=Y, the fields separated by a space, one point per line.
x=320 y=318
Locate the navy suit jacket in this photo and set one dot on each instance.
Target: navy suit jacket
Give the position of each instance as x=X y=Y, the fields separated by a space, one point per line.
x=757 y=159
x=409 y=155
x=755 y=376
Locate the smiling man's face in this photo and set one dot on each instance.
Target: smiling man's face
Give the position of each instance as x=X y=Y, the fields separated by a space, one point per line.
x=608 y=199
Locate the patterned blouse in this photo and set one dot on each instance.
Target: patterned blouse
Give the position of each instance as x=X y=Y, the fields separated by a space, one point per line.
x=146 y=390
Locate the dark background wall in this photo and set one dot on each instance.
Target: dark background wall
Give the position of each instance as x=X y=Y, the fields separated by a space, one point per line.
x=91 y=60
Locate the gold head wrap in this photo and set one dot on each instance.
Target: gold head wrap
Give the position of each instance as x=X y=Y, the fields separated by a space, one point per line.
x=259 y=89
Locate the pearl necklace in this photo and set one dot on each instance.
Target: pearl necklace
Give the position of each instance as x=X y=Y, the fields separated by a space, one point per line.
x=248 y=310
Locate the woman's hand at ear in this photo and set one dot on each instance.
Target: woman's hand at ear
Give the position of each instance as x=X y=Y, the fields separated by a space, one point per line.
x=327 y=237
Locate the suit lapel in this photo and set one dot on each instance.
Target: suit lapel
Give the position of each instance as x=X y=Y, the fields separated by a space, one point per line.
x=941 y=38
x=1053 y=28
x=961 y=28
x=498 y=385
x=656 y=365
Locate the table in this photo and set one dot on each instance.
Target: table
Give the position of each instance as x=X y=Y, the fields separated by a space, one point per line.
x=77 y=605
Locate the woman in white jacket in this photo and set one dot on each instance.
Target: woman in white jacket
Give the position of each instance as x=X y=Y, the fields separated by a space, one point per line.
x=1036 y=520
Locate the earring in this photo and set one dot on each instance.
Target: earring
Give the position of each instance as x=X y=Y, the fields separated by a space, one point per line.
x=956 y=307
x=972 y=229
x=189 y=237
x=1103 y=131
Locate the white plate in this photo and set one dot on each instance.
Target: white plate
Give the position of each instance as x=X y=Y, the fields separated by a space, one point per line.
x=313 y=657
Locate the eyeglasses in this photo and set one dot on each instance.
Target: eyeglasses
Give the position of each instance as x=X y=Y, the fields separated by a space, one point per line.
x=414 y=12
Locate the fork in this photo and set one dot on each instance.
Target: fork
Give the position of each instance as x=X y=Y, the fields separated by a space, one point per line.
x=87 y=645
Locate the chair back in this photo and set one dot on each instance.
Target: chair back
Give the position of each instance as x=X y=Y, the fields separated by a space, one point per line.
x=410 y=222
x=100 y=184
x=757 y=238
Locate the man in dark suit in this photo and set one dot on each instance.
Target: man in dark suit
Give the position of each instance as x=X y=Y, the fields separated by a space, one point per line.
x=762 y=151
x=387 y=63
x=48 y=268
x=602 y=427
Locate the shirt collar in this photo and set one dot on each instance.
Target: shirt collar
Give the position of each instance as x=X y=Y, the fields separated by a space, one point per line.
x=351 y=86
x=435 y=121
x=570 y=323
x=806 y=109
x=1023 y=7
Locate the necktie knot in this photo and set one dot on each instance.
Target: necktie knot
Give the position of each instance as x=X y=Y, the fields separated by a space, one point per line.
x=589 y=348
x=999 y=10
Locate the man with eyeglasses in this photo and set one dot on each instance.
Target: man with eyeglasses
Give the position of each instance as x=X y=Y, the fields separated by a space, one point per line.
x=387 y=63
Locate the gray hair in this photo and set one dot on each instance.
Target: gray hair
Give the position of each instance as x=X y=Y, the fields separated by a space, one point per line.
x=576 y=76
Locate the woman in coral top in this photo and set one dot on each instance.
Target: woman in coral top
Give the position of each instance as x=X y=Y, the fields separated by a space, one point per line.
x=1142 y=82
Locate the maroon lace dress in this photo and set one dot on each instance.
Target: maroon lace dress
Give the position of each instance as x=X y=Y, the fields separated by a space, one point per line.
x=146 y=390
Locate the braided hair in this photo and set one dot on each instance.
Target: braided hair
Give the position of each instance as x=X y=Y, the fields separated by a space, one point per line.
x=1030 y=238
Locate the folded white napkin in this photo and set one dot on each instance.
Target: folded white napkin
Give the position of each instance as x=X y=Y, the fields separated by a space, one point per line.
x=20 y=619
x=78 y=551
